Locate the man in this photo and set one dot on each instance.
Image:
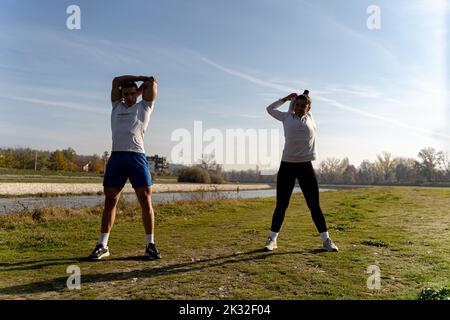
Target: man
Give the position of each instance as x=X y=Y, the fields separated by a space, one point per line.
x=129 y=120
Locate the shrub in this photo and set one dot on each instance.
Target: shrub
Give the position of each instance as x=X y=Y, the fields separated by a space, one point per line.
x=194 y=174
x=216 y=178
x=431 y=294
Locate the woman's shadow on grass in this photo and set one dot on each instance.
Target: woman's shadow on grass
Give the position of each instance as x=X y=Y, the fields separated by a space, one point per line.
x=59 y=284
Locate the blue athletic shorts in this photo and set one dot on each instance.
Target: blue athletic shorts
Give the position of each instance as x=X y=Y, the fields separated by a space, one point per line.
x=126 y=164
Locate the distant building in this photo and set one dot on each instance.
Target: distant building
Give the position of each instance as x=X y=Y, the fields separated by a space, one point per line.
x=86 y=167
x=157 y=163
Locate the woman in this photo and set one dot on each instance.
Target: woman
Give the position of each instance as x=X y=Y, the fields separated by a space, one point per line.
x=299 y=151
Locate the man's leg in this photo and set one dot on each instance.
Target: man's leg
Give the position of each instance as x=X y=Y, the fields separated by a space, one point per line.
x=112 y=196
x=141 y=180
x=144 y=195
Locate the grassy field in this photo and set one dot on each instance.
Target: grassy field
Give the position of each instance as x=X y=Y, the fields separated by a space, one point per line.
x=25 y=175
x=50 y=176
x=211 y=249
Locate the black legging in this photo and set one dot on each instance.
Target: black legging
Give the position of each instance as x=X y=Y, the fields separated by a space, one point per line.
x=304 y=172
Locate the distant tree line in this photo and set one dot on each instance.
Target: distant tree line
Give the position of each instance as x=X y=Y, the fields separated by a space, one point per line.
x=58 y=160
x=431 y=168
x=250 y=175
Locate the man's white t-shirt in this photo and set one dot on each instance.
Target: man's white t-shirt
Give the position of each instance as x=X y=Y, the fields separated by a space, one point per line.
x=299 y=134
x=128 y=125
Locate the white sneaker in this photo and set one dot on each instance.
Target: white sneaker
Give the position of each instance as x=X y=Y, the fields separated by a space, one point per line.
x=270 y=244
x=330 y=246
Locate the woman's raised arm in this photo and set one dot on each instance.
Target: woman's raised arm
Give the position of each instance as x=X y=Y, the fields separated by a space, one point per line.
x=277 y=114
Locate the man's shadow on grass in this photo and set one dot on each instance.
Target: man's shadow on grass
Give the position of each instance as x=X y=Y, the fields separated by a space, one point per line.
x=147 y=271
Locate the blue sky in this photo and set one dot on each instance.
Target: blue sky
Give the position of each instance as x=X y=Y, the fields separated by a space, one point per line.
x=223 y=63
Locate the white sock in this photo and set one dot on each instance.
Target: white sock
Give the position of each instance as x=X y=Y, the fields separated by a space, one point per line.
x=150 y=238
x=273 y=235
x=103 y=239
x=324 y=235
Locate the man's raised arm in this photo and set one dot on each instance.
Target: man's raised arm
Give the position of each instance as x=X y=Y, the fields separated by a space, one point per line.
x=150 y=89
x=117 y=82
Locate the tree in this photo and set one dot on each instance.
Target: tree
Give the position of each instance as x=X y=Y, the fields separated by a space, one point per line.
x=105 y=158
x=60 y=160
x=406 y=170
x=217 y=176
x=329 y=170
x=386 y=167
x=214 y=170
x=349 y=174
x=444 y=166
x=366 y=172
x=208 y=162
x=96 y=164
x=43 y=158
x=70 y=154
x=164 y=172
x=10 y=159
x=430 y=160
x=57 y=161
x=24 y=158
x=70 y=157
x=444 y=161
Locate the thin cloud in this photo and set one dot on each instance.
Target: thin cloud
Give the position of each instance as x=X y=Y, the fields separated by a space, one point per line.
x=319 y=97
x=354 y=90
x=34 y=43
x=241 y=115
x=243 y=75
x=345 y=29
x=62 y=104
x=41 y=137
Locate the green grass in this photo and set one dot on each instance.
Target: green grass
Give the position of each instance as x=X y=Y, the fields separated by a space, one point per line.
x=50 y=176
x=27 y=176
x=211 y=250
x=47 y=173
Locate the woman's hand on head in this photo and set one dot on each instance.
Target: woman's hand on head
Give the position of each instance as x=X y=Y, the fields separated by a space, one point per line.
x=290 y=97
x=293 y=96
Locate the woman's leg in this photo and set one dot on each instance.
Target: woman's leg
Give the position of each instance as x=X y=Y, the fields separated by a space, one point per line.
x=285 y=186
x=310 y=188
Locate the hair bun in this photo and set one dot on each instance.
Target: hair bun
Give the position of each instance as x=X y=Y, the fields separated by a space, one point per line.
x=306 y=92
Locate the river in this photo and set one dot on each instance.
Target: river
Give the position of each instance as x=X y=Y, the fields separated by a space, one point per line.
x=13 y=205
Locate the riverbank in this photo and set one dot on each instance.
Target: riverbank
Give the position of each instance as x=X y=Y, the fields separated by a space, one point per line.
x=54 y=189
x=12 y=205
x=211 y=249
